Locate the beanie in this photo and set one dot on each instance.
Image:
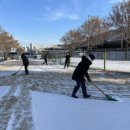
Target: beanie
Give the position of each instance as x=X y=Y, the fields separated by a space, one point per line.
x=91 y=56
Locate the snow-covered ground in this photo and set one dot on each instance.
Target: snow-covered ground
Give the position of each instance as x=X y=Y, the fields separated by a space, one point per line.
x=58 y=112
x=111 y=65
x=42 y=99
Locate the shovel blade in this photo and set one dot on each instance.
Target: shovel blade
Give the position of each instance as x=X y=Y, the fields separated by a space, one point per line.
x=112 y=98
x=14 y=74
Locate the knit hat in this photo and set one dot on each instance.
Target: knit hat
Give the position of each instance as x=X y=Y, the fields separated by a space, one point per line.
x=91 y=56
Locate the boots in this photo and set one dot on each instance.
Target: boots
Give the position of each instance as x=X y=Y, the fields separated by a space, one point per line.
x=75 y=91
x=74 y=96
x=87 y=96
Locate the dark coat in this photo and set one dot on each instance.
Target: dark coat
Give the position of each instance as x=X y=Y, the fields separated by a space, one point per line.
x=67 y=58
x=45 y=57
x=25 y=60
x=82 y=70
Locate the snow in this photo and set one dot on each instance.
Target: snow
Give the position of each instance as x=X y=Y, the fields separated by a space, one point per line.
x=17 y=92
x=111 y=65
x=3 y=90
x=42 y=99
x=59 y=112
x=11 y=121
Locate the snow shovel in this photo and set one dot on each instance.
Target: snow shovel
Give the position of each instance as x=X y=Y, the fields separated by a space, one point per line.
x=109 y=97
x=18 y=70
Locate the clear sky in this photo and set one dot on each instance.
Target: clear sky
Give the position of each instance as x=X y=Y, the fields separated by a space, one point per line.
x=44 y=22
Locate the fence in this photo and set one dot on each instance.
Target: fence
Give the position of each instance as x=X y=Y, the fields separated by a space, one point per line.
x=2 y=57
x=111 y=54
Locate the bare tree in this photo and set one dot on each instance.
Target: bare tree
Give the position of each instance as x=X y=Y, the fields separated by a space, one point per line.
x=95 y=30
x=72 y=39
x=7 y=42
x=91 y=33
x=120 y=16
x=20 y=50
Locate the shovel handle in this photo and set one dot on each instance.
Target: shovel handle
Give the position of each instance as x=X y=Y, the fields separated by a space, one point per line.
x=98 y=88
x=18 y=70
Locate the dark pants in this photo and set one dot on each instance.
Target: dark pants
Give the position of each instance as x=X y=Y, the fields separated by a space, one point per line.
x=82 y=85
x=26 y=68
x=66 y=64
x=45 y=61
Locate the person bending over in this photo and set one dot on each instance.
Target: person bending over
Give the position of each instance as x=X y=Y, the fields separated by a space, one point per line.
x=80 y=72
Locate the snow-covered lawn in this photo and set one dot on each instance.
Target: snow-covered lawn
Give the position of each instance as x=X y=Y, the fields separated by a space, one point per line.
x=111 y=65
x=42 y=99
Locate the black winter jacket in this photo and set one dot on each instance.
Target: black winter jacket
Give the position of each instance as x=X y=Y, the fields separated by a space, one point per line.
x=25 y=60
x=67 y=57
x=82 y=70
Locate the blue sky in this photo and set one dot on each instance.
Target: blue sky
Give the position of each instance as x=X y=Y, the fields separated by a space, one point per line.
x=44 y=22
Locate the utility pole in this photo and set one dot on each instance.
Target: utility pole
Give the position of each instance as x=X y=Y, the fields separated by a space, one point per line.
x=104 y=60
